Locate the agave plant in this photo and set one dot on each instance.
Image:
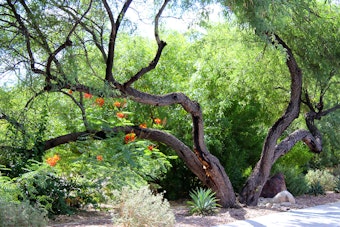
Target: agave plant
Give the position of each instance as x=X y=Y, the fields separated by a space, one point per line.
x=203 y=202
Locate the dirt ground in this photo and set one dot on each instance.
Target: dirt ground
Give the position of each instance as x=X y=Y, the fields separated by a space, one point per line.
x=183 y=219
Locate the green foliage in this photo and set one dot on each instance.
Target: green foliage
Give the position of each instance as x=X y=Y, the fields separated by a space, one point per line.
x=139 y=207
x=13 y=214
x=294 y=178
x=203 y=202
x=316 y=188
x=330 y=156
x=322 y=177
x=294 y=165
x=179 y=181
x=42 y=186
x=228 y=83
x=104 y=166
x=337 y=185
x=9 y=190
x=299 y=156
x=15 y=210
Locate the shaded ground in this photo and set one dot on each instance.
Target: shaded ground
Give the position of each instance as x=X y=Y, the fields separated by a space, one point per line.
x=183 y=219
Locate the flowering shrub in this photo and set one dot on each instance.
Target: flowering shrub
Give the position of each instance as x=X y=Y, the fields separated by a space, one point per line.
x=41 y=185
x=150 y=147
x=143 y=125
x=100 y=101
x=120 y=115
x=52 y=161
x=130 y=137
x=157 y=121
x=117 y=104
x=87 y=96
x=99 y=157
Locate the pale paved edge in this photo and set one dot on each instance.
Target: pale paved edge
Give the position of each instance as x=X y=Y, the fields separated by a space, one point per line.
x=327 y=215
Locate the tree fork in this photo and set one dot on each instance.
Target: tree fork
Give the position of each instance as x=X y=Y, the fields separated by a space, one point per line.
x=253 y=187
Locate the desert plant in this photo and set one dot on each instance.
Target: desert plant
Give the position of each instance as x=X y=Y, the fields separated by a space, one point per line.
x=324 y=177
x=21 y=214
x=203 y=201
x=316 y=189
x=142 y=208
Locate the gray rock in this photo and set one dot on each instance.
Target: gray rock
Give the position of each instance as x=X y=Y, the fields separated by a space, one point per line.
x=284 y=196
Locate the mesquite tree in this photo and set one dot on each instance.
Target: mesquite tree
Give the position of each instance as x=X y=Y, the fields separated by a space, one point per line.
x=307 y=19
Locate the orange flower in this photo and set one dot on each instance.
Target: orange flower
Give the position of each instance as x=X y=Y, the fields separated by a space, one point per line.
x=157 y=121
x=143 y=125
x=70 y=92
x=56 y=157
x=100 y=158
x=150 y=147
x=117 y=104
x=130 y=137
x=52 y=161
x=100 y=101
x=87 y=95
x=120 y=115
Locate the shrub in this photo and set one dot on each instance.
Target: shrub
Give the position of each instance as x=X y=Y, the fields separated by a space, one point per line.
x=337 y=185
x=142 y=208
x=9 y=190
x=203 y=201
x=325 y=178
x=42 y=186
x=316 y=189
x=21 y=214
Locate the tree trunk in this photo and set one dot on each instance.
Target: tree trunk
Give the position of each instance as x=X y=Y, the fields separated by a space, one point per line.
x=199 y=160
x=253 y=187
x=207 y=169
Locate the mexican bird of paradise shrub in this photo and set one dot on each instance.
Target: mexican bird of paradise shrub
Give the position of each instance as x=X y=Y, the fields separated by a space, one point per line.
x=86 y=171
x=52 y=161
x=101 y=166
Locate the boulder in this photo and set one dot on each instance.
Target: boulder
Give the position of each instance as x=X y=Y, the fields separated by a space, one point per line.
x=273 y=186
x=284 y=197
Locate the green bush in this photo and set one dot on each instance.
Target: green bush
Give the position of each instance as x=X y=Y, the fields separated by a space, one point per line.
x=203 y=202
x=316 y=189
x=42 y=186
x=325 y=178
x=337 y=185
x=21 y=214
x=142 y=208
